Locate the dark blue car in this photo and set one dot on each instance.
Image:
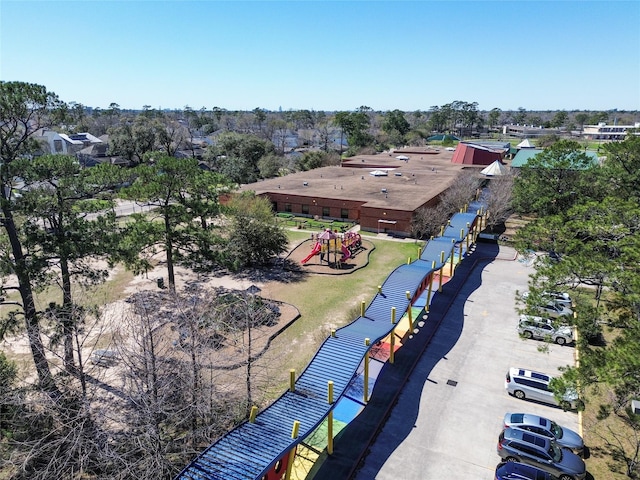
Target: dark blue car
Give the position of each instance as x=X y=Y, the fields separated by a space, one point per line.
x=521 y=471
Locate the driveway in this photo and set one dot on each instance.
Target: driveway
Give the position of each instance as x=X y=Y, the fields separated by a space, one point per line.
x=449 y=414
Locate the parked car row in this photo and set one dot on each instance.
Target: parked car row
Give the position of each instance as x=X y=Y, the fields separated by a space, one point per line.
x=554 y=307
x=532 y=447
x=543 y=453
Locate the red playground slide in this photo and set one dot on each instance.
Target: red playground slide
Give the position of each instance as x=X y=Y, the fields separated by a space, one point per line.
x=316 y=249
x=346 y=253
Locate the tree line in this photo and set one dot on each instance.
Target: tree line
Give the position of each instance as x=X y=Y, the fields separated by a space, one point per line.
x=134 y=132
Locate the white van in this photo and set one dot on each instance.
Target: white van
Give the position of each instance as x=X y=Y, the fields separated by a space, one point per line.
x=527 y=384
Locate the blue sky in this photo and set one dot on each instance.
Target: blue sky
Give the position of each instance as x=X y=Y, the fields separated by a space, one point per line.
x=329 y=55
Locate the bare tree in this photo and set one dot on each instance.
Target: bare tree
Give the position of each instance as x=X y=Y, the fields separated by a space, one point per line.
x=171 y=135
x=464 y=189
x=427 y=221
x=498 y=200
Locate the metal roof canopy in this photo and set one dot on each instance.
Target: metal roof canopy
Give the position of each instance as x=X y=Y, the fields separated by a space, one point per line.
x=459 y=226
x=251 y=449
x=432 y=251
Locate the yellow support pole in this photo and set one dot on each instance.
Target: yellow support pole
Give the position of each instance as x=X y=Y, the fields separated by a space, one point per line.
x=367 y=342
x=468 y=233
x=252 y=415
x=392 y=342
x=408 y=260
x=433 y=267
x=441 y=271
x=292 y=453
x=330 y=433
x=333 y=332
x=330 y=419
x=442 y=230
x=419 y=251
x=380 y=289
x=292 y=380
x=451 y=264
x=429 y=292
x=362 y=304
x=409 y=313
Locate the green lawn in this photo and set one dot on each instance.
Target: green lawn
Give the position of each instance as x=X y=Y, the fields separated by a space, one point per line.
x=288 y=220
x=329 y=301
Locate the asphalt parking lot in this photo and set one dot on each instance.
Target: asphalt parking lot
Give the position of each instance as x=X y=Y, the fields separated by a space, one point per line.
x=449 y=414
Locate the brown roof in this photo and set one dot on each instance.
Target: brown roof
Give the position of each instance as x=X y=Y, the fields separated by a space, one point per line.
x=409 y=184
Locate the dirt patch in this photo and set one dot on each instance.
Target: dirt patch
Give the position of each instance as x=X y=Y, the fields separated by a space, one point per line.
x=106 y=331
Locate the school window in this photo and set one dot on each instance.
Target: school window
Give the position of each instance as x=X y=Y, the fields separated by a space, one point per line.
x=305 y=209
x=344 y=213
x=325 y=211
x=287 y=207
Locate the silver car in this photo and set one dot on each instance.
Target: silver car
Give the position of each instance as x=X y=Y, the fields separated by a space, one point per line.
x=555 y=309
x=562 y=298
x=547 y=428
x=528 y=384
x=543 y=329
x=516 y=445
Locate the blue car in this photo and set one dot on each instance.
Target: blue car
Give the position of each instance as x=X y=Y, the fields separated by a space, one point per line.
x=521 y=471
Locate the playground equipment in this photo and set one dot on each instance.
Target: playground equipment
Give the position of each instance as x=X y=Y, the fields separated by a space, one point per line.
x=330 y=243
x=314 y=251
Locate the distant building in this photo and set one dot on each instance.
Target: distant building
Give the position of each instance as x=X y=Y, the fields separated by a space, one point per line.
x=529 y=131
x=602 y=131
x=54 y=142
x=525 y=154
x=476 y=154
x=380 y=192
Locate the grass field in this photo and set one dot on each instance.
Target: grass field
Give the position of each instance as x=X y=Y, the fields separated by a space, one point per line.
x=326 y=302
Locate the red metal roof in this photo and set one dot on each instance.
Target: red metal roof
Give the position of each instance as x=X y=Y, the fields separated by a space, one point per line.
x=469 y=154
